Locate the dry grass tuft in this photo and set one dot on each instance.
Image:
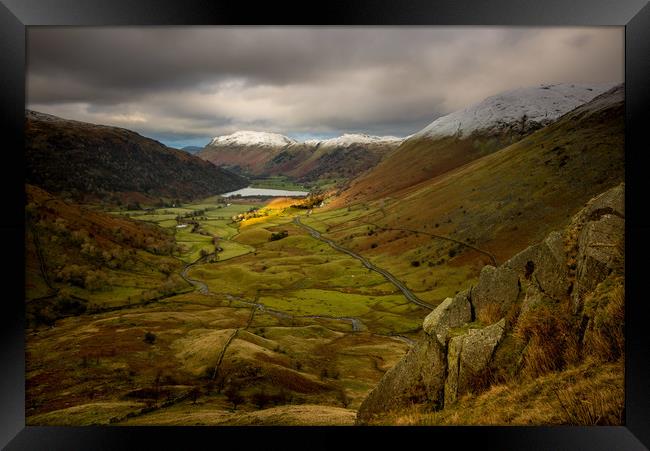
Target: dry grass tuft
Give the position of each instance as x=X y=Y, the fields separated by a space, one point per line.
x=592 y=403
x=551 y=339
x=489 y=313
x=588 y=394
x=604 y=337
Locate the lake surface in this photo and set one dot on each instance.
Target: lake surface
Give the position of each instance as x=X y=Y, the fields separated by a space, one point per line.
x=247 y=192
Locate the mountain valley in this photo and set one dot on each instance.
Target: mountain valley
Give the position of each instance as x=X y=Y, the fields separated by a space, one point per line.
x=440 y=278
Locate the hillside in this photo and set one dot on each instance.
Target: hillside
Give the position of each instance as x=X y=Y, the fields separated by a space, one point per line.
x=245 y=152
x=538 y=340
x=78 y=260
x=192 y=149
x=90 y=162
x=468 y=134
x=266 y=313
x=438 y=234
x=341 y=158
x=271 y=154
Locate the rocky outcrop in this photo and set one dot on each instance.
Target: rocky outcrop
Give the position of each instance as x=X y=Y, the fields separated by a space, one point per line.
x=532 y=298
x=600 y=251
x=496 y=291
x=468 y=357
x=586 y=260
x=610 y=202
x=418 y=378
x=545 y=265
x=452 y=312
x=453 y=369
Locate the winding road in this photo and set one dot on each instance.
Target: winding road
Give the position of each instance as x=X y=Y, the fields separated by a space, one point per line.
x=408 y=294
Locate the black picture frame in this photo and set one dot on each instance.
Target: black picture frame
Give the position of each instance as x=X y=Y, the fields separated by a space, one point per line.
x=16 y=15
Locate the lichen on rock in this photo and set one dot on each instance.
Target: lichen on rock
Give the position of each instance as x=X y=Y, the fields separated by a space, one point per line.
x=419 y=377
x=496 y=291
x=452 y=312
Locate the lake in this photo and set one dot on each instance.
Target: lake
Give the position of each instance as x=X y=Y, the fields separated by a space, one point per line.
x=248 y=192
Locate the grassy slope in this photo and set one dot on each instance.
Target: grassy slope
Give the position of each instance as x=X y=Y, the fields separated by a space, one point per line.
x=501 y=203
x=97 y=369
x=415 y=161
x=590 y=393
x=326 y=163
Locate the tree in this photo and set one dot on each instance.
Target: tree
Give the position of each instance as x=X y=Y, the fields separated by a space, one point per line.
x=194 y=394
x=278 y=235
x=149 y=338
x=261 y=399
x=233 y=396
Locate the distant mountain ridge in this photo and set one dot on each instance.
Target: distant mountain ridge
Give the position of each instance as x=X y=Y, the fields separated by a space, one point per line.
x=264 y=154
x=251 y=138
x=84 y=160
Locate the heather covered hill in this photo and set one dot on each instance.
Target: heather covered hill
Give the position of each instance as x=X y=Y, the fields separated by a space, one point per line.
x=86 y=161
x=466 y=135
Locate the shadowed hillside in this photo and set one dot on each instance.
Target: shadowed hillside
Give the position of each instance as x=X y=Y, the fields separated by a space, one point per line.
x=307 y=163
x=80 y=260
x=87 y=161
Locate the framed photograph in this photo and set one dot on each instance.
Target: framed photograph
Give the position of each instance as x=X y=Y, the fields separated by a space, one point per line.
x=380 y=222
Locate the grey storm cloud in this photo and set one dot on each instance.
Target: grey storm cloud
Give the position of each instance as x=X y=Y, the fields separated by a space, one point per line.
x=180 y=84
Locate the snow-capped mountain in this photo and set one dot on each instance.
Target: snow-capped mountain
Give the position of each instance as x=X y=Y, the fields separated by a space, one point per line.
x=523 y=109
x=477 y=131
x=262 y=153
x=252 y=138
x=349 y=139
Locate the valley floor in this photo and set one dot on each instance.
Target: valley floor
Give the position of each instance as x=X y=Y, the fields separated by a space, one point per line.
x=277 y=330
x=285 y=316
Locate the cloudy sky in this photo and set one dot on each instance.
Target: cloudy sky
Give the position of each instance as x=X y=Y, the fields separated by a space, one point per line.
x=184 y=85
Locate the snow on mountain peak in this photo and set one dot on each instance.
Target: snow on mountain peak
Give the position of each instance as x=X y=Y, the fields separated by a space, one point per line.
x=251 y=138
x=531 y=106
x=265 y=139
x=349 y=139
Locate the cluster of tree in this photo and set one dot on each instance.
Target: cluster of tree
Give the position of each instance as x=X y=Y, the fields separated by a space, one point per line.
x=82 y=276
x=47 y=311
x=262 y=398
x=310 y=202
x=173 y=284
x=278 y=235
x=251 y=213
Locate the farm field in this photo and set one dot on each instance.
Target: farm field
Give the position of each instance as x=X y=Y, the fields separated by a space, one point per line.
x=289 y=331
